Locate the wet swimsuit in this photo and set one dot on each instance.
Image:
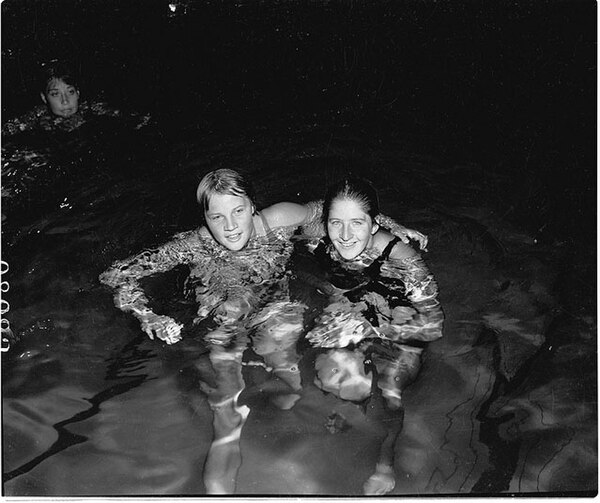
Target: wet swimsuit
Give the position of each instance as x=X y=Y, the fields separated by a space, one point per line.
x=360 y=281
x=384 y=300
x=265 y=224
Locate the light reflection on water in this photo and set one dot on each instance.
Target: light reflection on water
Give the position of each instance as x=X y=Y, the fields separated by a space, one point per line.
x=92 y=407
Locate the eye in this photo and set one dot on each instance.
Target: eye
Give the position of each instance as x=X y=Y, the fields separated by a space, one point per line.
x=240 y=211
x=357 y=223
x=334 y=223
x=215 y=218
x=54 y=94
x=72 y=91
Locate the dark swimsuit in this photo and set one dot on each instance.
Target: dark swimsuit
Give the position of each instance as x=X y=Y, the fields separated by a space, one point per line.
x=359 y=282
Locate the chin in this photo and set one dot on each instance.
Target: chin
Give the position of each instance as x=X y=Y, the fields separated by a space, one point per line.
x=347 y=255
x=234 y=246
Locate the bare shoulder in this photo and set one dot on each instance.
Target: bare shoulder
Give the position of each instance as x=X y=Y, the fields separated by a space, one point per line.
x=204 y=232
x=399 y=251
x=285 y=214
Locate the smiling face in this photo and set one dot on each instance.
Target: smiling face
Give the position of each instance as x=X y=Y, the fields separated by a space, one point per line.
x=62 y=98
x=350 y=228
x=229 y=219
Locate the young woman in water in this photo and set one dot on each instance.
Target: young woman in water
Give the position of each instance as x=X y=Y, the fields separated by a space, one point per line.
x=383 y=310
x=233 y=233
x=61 y=93
x=62 y=109
x=239 y=279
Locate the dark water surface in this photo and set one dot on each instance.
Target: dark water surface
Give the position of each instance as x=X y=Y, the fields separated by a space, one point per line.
x=477 y=127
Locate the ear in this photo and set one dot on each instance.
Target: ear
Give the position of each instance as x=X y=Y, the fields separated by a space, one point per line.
x=43 y=96
x=375 y=228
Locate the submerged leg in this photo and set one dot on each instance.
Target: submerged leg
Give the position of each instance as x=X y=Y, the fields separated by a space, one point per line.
x=224 y=456
x=395 y=375
x=383 y=480
x=391 y=377
x=278 y=328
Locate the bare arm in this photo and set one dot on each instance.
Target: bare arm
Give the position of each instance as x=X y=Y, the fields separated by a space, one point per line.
x=309 y=217
x=424 y=320
x=124 y=275
x=402 y=232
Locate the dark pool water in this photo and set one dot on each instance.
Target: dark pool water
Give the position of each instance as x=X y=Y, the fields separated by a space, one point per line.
x=505 y=403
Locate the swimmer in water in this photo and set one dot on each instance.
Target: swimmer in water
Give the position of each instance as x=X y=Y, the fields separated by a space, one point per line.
x=383 y=310
x=238 y=279
x=62 y=107
x=61 y=92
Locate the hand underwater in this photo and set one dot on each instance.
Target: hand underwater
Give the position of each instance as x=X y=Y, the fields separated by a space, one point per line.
x=163 y=327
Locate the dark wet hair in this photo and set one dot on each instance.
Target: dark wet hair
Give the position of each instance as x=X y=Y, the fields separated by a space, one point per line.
x=58 y=70
x=355 y=189
x=223 y=181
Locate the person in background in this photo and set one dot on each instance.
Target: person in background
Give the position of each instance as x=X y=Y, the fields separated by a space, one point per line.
x=62 y=107
x=382 y=312
x=238 y=279
x=61 y=92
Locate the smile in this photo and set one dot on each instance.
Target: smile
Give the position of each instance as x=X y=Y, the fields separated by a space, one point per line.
x=234 y=237
x=346 y=245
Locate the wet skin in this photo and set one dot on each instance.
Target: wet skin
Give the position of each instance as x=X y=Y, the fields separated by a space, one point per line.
x=62 y=99
x=350 y=229
x=230 y=220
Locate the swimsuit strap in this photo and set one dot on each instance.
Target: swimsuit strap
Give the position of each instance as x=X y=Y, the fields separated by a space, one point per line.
x=264 y=222
x=388 y=249
x=375 y=268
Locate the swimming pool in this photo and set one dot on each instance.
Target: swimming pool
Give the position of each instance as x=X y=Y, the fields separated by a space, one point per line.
x=505 y=403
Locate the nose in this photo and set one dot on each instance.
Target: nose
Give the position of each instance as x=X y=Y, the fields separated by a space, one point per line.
x=64 y=99
x=346 y=233
x=230 y=224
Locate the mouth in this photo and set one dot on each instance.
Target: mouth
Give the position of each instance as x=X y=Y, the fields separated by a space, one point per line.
x=346 y=245
x=234 y=238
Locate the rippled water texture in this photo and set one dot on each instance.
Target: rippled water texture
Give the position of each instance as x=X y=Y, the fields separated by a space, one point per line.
x=505 y=402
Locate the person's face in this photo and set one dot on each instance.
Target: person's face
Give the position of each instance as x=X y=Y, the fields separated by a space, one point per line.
x=229 y=219
x=62 y=99
x=342 y=373
x=349 y=228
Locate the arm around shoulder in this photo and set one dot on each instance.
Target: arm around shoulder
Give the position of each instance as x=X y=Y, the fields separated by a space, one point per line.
x=307 y=216
x=403 y=251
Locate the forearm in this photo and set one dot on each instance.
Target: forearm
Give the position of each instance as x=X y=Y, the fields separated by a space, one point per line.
x=391 y=225
x=313 y=223
x=124 y=275
x=426 y=316
x=402 y=232
x=424 y=326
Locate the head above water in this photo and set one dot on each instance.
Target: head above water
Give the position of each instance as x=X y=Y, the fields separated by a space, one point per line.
x=60 y=90
x=349 y=212
x=227 y=201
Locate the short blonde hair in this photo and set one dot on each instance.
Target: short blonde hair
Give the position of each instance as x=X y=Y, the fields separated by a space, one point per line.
x=223 y=181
